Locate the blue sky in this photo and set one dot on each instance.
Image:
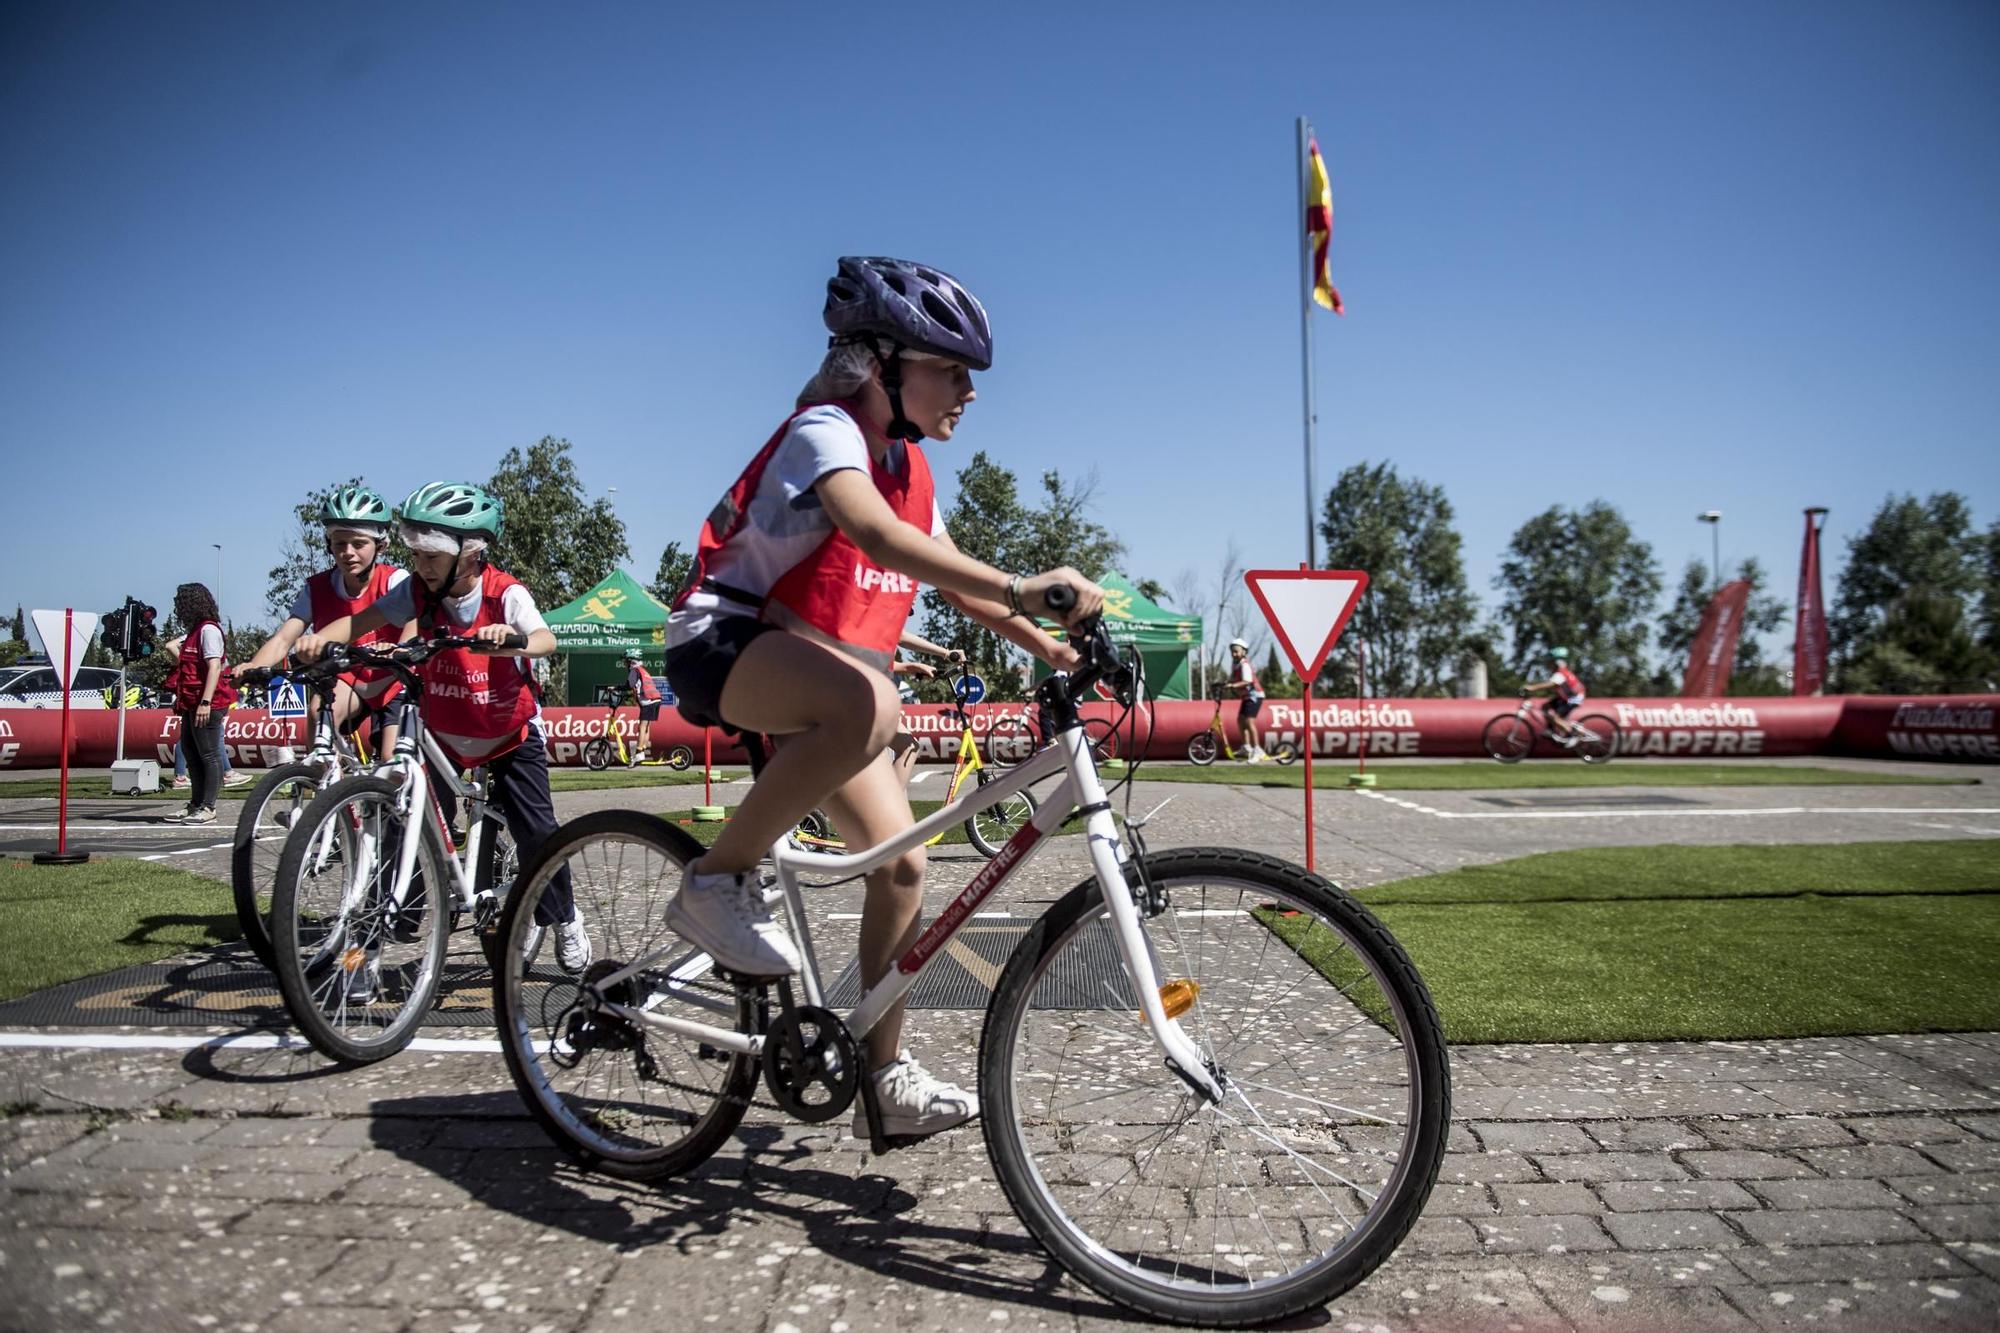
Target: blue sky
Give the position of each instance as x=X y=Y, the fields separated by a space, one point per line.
x=1675 y=257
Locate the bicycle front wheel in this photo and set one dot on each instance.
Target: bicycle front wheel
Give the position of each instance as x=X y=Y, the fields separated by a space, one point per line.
x=274 y=807
x=990 y=829
x=1337 y=1093
x=1508 y=738
x=1202 y=748
x=359 y=971
x=619 y=1096
x=597 y=754
x=1012 y=740
x=1596 y=738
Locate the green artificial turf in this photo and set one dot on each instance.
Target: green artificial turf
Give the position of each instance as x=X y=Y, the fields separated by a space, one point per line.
x=65 y=922
x=1329 y=775
x=1703 y=943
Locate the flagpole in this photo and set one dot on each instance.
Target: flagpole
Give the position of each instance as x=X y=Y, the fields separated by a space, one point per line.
x=1306 y=337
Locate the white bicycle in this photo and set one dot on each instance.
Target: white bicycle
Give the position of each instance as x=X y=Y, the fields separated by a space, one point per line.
x=1212 y=1085
x=374 y=878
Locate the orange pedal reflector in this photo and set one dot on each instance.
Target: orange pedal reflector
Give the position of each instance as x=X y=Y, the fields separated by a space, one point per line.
x=353 y=959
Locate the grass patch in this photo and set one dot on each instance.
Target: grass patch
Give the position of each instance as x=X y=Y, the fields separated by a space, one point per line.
x=1329 y=774
x=1704 y=943
x=65 y=922
x=99 y=788
x=584 y=779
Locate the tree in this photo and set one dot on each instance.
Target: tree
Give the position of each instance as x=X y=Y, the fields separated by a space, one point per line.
x=1762 y=614
x=1922 y=646
x=20 y=624
x=1417 y=607
x=556 y=541
x=1913 y=556
x=1989 y=592
x=1580 y=579
x=988 y=522
x=672 y=573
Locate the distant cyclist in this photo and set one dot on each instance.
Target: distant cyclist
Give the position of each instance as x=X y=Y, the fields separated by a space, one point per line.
x=1242 y=684
x=1566 y=694
x=643 y=690
x=355 y=521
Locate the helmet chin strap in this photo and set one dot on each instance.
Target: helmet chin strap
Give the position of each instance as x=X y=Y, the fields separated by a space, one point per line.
x=900 y=426
x=434 y=598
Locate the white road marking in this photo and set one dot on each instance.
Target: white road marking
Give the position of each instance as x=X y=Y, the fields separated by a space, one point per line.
x=249 y=1041
x=94 y=828
x=1700 y=811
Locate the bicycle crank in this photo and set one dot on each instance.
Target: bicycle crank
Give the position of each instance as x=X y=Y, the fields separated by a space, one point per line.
x=811 y=1063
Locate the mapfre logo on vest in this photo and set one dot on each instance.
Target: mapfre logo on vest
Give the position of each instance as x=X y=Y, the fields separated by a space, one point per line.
x=869 y=579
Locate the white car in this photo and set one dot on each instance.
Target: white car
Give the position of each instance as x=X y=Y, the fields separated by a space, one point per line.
x=30 y=686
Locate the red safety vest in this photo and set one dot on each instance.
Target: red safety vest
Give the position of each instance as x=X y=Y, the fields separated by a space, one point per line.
x=460 y=697
x=837 y=590
x=329 y=604
x=1572 y=687
x=648 y=692
x=190 y=675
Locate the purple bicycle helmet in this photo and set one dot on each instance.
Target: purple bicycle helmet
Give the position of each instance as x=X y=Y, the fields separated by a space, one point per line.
x=909 y=304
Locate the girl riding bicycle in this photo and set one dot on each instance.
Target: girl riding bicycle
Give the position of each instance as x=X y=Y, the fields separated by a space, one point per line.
x=356 y=524
x=482 y=708
x=804 y=576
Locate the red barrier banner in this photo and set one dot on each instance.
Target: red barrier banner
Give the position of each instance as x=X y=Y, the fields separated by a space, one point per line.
x=1712 y=655
x=1950 y=727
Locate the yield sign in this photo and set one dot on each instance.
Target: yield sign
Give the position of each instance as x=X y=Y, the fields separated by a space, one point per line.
x=49 y=626
x=1307 y=609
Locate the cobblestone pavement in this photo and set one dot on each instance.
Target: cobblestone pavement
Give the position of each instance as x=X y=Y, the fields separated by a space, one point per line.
x=1841 y=1183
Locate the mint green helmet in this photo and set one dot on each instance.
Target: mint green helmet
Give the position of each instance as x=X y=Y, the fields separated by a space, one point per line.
x=1559 y=654
x=357 y=509
x=455 y=506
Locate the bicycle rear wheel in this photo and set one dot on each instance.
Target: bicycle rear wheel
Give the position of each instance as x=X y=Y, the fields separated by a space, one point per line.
x=1284 y=752
x=1337 y=1094
x=631 y=1101
x=1597 y=738
x=680 y=758
x=273 y=808
x=990 y=828
x=1508 y=738
x=359 y=973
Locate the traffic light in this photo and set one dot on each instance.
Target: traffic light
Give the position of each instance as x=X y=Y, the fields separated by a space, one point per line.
x=145 y=638
x=114 y=630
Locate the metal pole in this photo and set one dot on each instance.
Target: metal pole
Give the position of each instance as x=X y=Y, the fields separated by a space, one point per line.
x=124 y=651
x=1715 y=554
x=1306 y=336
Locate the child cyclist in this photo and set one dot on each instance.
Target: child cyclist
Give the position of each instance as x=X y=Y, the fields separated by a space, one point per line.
x=803 y=578
x=481 y=707
x=1566 y=694
x=356 y=522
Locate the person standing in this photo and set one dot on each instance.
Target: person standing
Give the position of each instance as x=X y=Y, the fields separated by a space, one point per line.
x=202 y=694
x=1243 y=684
x=644 y=691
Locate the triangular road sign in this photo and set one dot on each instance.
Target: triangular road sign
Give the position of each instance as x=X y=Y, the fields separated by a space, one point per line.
x=1307 y=609
x=49 y=627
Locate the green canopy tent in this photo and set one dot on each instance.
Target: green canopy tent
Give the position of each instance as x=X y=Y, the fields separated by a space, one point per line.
x=596 y=630
x=1164 y=638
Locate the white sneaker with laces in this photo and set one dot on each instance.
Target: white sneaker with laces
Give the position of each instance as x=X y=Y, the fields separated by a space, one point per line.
x=915 y=1102
x=727 y=916
x=205 y=815
x=573 y=951
x=236 y=777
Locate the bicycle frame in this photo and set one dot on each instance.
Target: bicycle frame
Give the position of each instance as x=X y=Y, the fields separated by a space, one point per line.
x=1081 y=789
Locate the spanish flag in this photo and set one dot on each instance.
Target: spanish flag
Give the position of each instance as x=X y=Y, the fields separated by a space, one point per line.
x=1319 y=230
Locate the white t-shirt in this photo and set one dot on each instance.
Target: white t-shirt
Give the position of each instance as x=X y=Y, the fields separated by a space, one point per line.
x=211 y=641
x=302 y=606
x=786 y=523
x=517 y=607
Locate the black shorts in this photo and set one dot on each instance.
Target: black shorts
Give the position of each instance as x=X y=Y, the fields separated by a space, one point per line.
x=1560 y=706
x=649 y=710
x=1248 y=709
x=699 y=668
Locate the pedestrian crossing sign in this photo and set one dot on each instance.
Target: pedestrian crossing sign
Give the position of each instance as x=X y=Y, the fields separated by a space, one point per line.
x=288 y=699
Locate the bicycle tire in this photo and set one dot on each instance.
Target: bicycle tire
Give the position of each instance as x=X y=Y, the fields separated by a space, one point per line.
x=680 y=758
x=317 y=954
x=989 y=829
x=1011 y=740
x=606 y=852
x=1202 y=748
x=1354 y=1028
x=261 y=831
x=597 y=754
x=1284 y=752
x=1510 y=738
x=1602 y=743
x=1102 y=736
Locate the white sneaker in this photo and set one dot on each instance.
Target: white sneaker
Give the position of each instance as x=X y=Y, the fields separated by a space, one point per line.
x=182 y=783
x=915 y=1103
x=205 y=815
x=236 y=777
x=726 y=915
x=573 y=951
